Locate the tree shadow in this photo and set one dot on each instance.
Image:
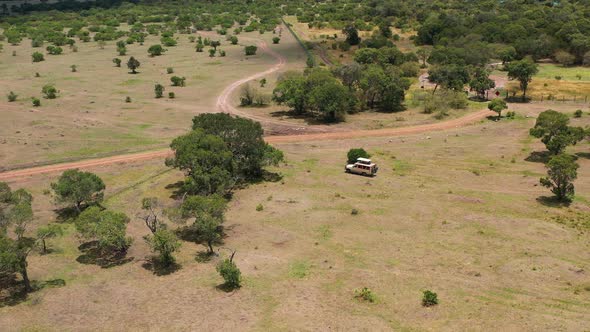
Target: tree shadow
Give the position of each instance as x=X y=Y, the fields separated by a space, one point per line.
x=517 y=99
x=93 y=255
x=178 y=191
x=583 y=155
x=309 y=120
x=204 y=256
x=539 y=157
x=226 y=287
x=12 y=291
x=552 y=201
x=66 y=215
x=157 y=267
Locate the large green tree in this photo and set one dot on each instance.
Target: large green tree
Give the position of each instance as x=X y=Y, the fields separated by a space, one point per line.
x=76 y=188
x=562 y=170
x=244 y=138
x=206 y=160
x=554 y=131
x=522 y=71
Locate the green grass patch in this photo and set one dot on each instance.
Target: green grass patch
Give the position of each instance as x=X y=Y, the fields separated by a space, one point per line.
x=299 y=269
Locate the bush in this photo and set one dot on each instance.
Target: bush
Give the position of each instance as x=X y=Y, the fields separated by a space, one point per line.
x=49 y=91
x=36 y=101
x=233 y=40
x=354 y=154
x=165 y=243
x=171 y=95
x=199 y=47
x=354 y=212
x=259 y=207
x=178 y=81
x=54 y=50
x=74 y=68
x=37 y=57
x=12 y=96
x=230 y=273
x=159 y=90
x=578 y=114
x=365 y=294
x=276 y=40
x=250 y=50
x=221 y=53
x=156 y=50
x=117 y=62
x=127 y=99
x=429 y=298
x=170 y=70
x=212 y=52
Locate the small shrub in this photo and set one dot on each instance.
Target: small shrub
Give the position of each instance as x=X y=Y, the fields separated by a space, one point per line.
x=212 y=52
x=12 y=96
x=171 y=95
x=578 y=114
x=36 y=101
x=354 y=212
x=558 y=77
x=276 y=40
x=365 y=294
x=75 y=49
x=262 y=82
x=49 y=91
x=250 y=50
x=127 y=99
x=230 y=273
x=259 y=207
x=74 y=68
x=117 y=62
x=159 y=90
x=37 y=57
x=221 y=53
x=37 y=75
x=170 y=70
x=178 y=81
x=429 y=298
x=578 y=76
x=13 y=53
x=199 y=47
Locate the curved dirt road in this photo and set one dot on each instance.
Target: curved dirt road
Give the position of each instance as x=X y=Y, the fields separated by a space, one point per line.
x=388 y=132
x=224 y=105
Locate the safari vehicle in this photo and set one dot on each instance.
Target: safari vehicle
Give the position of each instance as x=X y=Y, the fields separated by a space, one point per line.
x=363 y=166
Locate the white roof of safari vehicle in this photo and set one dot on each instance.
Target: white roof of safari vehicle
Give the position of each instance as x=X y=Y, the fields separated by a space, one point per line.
x=364 y=161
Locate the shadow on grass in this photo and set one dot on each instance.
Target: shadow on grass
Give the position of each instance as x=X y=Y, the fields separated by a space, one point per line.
x=159 y=268
x=66 y=215
x=585 y=155
x=178 y=191
x=552 y=201
x=204 y=256
x=308 y=119
x=12 y=291
x=539 y=157
x=517 y=99
x=93 y=255
x=227 y=288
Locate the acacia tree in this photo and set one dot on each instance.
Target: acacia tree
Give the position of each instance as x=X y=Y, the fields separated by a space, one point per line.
x=562 y=170
x=76 y=188
x=133 y=64
x=151 y=216
x=15 y=247
x=47 y=232
x=244 y=138
x=106 y=227
x=522 y=71
x=481 y=82
x=165 y=243
x=497 y=105
x=206 y=161
x=352 y=35
x=553 y=130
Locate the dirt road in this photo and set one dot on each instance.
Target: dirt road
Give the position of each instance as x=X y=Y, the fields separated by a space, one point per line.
x=297 y=133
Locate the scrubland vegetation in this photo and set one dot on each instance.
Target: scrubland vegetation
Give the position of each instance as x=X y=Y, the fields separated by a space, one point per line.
x=483 y=227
